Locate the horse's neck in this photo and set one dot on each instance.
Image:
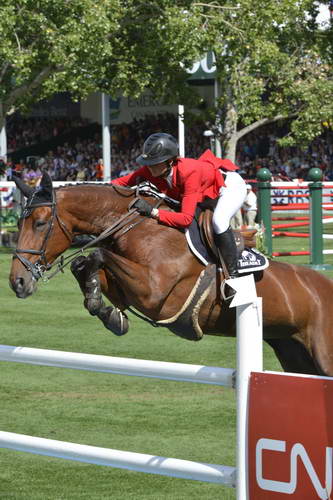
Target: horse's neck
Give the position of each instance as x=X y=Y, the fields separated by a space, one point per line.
x=93 y=208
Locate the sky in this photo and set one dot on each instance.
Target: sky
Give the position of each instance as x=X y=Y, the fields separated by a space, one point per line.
x=324 y=15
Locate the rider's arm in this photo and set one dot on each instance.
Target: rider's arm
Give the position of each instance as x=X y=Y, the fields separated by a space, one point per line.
x=189 y=200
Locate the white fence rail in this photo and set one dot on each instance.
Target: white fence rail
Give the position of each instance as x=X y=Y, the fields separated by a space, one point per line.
x=120 y=366
x=139 y=462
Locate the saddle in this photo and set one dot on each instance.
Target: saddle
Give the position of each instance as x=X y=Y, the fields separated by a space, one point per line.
x=243 y=238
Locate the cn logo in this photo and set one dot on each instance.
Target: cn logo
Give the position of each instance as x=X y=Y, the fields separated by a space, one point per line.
x=297 y=451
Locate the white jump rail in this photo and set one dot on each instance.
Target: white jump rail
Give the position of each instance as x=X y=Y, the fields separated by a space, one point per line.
x=138 y=462
x=249 y=358
x=120 y=366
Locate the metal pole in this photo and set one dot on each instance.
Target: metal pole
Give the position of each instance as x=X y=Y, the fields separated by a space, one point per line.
x=106 y=136
x=181 y=130
x=264 y=206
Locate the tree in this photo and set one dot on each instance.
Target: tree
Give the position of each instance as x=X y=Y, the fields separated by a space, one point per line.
x=272 y=58
x=272 y=65
x=80 y=46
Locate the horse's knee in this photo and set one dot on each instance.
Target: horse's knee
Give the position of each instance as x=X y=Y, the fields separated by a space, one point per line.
x=78 y=267
x=90 y=284
x=114 y=320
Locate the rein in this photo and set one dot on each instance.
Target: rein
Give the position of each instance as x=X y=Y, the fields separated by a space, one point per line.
x=62 y=262
x=38 y=269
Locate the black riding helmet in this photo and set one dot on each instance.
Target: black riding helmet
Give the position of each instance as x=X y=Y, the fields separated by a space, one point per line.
x=157 y=148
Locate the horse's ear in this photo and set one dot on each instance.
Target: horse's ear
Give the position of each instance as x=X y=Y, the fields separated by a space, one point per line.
x=22 y=186
x=46 y=184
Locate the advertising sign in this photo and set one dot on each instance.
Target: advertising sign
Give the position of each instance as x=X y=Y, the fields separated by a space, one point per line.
x=282 y=195
x=205 y=69
x=290 y=437
x=126 y=109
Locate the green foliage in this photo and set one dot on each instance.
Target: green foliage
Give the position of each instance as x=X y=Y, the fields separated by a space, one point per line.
x=81 y=46
x=272 y=65
x=260 y=240
x=273 y=60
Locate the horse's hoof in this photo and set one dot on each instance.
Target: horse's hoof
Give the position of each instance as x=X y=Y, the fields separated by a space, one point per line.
x=114 y=320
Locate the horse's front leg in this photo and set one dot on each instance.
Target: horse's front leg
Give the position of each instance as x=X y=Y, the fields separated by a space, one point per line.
x=90 y=274
x=86 y=270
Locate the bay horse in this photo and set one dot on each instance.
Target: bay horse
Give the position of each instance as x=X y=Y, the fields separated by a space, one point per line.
x=148 y=266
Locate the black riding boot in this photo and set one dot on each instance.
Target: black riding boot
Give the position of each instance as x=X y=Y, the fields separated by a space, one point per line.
x=227 y=249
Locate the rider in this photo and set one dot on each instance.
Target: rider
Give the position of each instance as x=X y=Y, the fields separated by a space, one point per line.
x=190 y=181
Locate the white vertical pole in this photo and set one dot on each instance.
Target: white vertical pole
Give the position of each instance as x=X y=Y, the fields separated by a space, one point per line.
x=249 y=359
x=106 y=136
x=181 y=130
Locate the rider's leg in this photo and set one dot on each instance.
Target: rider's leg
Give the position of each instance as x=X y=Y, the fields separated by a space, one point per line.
x=230 y=200
x=227 y=249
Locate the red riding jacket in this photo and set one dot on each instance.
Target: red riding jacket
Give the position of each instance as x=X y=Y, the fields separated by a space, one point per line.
x=192 y=181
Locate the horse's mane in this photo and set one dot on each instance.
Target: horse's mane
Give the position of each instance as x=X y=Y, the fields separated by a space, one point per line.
x=121 y=190
x=92 y=184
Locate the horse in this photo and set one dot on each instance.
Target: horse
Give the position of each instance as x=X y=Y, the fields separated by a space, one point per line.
x=139 y=263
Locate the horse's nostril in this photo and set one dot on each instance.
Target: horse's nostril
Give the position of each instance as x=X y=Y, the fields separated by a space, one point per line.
x=19 y=283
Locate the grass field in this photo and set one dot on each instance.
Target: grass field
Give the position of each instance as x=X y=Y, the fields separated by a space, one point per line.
x=174 y=419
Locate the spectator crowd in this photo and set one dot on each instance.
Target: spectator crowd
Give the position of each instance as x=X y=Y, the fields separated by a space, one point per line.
x=81 y=158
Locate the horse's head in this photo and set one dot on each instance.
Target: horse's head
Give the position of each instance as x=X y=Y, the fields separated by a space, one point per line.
x=42 y=237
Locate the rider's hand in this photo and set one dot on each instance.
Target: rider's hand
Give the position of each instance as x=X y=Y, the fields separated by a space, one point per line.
x=143 y=207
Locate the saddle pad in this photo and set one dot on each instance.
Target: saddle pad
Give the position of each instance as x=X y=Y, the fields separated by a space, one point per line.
x=250 y=259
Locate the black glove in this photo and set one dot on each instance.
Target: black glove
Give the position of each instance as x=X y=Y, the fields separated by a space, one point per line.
x=143 y=207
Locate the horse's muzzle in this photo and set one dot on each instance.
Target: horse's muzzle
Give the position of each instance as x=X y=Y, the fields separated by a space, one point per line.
x=23 y=287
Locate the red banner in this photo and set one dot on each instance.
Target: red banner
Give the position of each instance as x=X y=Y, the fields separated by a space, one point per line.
x=290 y=437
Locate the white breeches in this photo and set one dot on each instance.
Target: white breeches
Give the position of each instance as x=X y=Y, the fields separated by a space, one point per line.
x=231 y=198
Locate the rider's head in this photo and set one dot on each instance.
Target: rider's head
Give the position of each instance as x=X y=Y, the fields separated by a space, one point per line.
x=159 y=152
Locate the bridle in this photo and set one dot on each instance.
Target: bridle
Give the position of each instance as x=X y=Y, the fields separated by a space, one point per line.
x=39 y=267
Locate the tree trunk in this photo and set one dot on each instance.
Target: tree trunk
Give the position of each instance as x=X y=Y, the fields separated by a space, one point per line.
x=230 y=137
x=2 y=116
x=3 y=136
